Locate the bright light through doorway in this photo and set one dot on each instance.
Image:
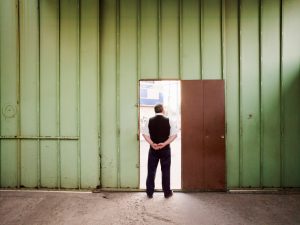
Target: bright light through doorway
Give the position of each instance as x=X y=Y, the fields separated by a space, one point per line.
x=167 y=93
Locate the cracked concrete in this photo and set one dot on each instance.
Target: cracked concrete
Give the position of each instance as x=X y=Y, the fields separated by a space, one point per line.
x=41 y=208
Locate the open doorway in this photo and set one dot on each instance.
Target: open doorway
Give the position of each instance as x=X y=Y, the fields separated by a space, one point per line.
x=167 y=93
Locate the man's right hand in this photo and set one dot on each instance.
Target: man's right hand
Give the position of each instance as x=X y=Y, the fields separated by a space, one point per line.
x=155 y=146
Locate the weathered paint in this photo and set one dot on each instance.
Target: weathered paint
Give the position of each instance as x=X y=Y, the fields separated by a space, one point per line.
x=270 y=93
x=290 y=93
x=49 y=92
x=249 y=94
x=232 y=92
x=9 y=65
x=69 y=85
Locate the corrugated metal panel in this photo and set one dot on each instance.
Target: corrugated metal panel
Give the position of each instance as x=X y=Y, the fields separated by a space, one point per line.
x=149 y=59
x=29 y=91
x=69 y=91
x=49 y=92
x=211 y=39
x=190 y=40
x=9 y=66
x=89 y=93
x=270 y=94
x=290 y=93
x=70 y=70
x=128 y=91
x=232 y=92
x=109 y=130
x=250 y=94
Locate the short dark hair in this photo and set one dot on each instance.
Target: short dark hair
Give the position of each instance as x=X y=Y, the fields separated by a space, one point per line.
x=158 y=108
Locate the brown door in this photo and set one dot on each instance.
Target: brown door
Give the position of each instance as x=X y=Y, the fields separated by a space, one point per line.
x=203 y=135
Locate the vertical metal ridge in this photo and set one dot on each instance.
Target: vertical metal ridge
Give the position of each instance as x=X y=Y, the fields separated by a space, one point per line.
x=200 y=38
x=99 y=87
x=19 y=99
x=222 y=38
x=39 y=95
x=224 y=77
x=79 y=93
x=281 y=100
x=159 y=31
x=139 y=25
x=118 y=90
x=180 y=9
x=58 y=96
x=0 y=106
x=240 y=97
x=261 y=117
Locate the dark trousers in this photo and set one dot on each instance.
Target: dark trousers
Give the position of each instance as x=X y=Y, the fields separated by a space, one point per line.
x=164 y=156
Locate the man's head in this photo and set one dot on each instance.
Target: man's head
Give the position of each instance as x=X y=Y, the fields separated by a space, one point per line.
x=158 y=108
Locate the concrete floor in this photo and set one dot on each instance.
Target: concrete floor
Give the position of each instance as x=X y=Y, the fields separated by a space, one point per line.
x=26 y=207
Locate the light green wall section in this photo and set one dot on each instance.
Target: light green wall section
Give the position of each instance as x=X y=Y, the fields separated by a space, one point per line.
x=290 y=93
x=232 y=92
x=211 y=39
x=128 y=95
x=69 y=85
x=51 y=140
x=250 y=93
x=190 y=40
x=29 y=91
x=169 y=40
x=109 y=48
x=148 y=49
x=69 y=100
x=49 y=92
x=89 y=93
x=9 y=89
x=270 y=93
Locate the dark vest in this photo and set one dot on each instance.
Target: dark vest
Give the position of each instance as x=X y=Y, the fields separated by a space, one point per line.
x=159 y=128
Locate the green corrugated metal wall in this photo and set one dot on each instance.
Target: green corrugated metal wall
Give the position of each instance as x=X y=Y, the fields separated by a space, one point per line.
x=69 y=85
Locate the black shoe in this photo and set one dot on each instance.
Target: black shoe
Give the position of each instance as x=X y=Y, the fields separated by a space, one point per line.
x=149 y=195
x=169 y=194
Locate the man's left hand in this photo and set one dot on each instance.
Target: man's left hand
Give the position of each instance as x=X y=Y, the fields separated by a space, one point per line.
x=161 y=145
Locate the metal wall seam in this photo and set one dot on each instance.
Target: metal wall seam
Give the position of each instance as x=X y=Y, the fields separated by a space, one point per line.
x=118 y=90
x=159 y=39
x=38 y=96
x=281 y=100
x=18 y=101
x=222 y=39
x=0 y=107
x=261 y=119
x=98 y=87
x=58 y=97
x=200 y=38
x=223 y=66
x=180 y=31
x=240 y=99
x=78 y=94
x=139 y=25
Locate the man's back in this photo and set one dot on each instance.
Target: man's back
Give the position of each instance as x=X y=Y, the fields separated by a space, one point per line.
x=159 y=128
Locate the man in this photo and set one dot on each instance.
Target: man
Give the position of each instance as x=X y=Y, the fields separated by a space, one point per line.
x=159 y=132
